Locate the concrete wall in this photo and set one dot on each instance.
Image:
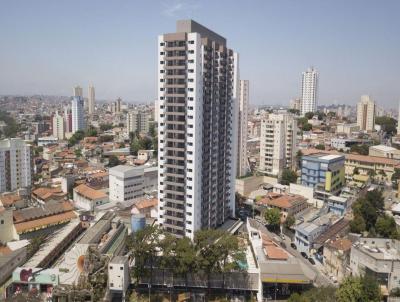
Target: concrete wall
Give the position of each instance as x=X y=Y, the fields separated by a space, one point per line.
x=244 y=186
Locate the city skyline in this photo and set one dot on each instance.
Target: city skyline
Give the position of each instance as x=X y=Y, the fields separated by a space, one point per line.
x=360 y=39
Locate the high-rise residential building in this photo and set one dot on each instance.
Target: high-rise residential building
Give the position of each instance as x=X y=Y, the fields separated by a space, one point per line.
x=78 y=114
x=15 y=164
x=197 y=93
x=137 y=120
x=78 y=91
x=366 y=113
x=398 y=121
x=68 y=119
x=278 y=142
x=295 y=104
x=242 y=162
x=309 y=88
x=91 y=99
x=58 y=126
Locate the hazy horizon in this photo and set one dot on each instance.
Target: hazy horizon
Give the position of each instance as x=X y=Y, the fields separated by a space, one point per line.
x=50 y=46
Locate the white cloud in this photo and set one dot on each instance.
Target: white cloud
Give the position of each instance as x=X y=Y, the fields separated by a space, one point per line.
x=177 y=8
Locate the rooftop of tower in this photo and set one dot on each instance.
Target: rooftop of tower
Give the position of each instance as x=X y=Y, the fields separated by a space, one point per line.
x=190 y=26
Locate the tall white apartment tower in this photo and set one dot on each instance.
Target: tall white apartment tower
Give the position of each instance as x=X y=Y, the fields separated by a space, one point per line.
x=91 y=99
x=58 y=126
x=78 y=113
x=242 y=164
x=278 y=143
x=309 y=87
x=366 y=113
x=78 y=91
x=15 y=164
x=197 y=93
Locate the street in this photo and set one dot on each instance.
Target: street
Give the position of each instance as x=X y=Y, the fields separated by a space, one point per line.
x=320 y=277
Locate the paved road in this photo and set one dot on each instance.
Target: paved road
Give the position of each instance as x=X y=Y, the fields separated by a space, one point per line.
x=321 y=279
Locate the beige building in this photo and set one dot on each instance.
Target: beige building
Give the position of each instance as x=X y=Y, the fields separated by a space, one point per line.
x=366 y=113
x=278 y=142
x=384 y=151
x=242 y=162
x=337 y=257
x=347 y=129
x=91 y=99
x=58 y=126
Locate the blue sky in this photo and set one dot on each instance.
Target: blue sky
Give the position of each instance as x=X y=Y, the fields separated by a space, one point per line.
x=48 y=46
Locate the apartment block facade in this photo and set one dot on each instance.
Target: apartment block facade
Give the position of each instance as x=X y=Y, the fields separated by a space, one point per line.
x=78 y=113
x=197 y=125
x=366 y=113
x=91 y=99
x=137 y=121
x=278 y=142
x=242 y=164
x=58 y=126
x=126 y=183
x=15 y=164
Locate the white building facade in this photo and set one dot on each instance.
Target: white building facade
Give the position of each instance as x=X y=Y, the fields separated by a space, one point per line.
x=309 y=89
x=126 y=183
x=58 y=126
x=197 y=129
x=78 y=114
x=15 y=164
x=278 y=143
x=137 y=121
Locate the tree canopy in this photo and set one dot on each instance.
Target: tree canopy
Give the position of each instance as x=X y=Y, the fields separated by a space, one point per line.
x=388 y=124
x=273 y=217
x=288 y=176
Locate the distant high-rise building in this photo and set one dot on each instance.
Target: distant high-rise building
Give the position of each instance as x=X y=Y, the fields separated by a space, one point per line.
x=118 y=105
x=78 y=114
x=278 y=142
x=309 y=89
x=197 y=93
x=295 y=104
x=58 y=126
x=366 y=113
x=91 y=99
x=242 y=163
x=15 y=164
x=78 y=91
x=398 y=121
x=137 y=120
x=68 y=119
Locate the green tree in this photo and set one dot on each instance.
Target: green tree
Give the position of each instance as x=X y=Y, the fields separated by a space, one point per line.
x=388 y=124
x=290 y=221
x=320 y=147
x=78 y=153
x=152 y=130
x=288 y=176
x=357 y=225
x=360 y=149
x=386 y=227
x=309 y=115
x=307 y=127
x=350 y=290
x=295 y=111
x=273 y=217
x=113 y=161
x=91 y=131
x=396 y=175
x=105 y=127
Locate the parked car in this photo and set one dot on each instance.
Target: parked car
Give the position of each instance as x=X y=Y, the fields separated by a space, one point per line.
x=311 y=260
x=304 y=255
x=293 y=246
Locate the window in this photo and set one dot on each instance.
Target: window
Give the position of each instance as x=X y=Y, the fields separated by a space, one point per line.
x=162 y=53
x=191 y=51
x=161 y=62
x=111 y=267
x=162 y=44
x=191 y=61
x=191 y=42
x=121 y=268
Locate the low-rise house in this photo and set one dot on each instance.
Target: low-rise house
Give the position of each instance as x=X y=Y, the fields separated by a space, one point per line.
x=336 y=257
x=88 y=198
x=307 y=232
x=13 y=201
x=44 y=195
x=288 y=204
x=337 y=204
x=378 y=258
x=146 y=207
